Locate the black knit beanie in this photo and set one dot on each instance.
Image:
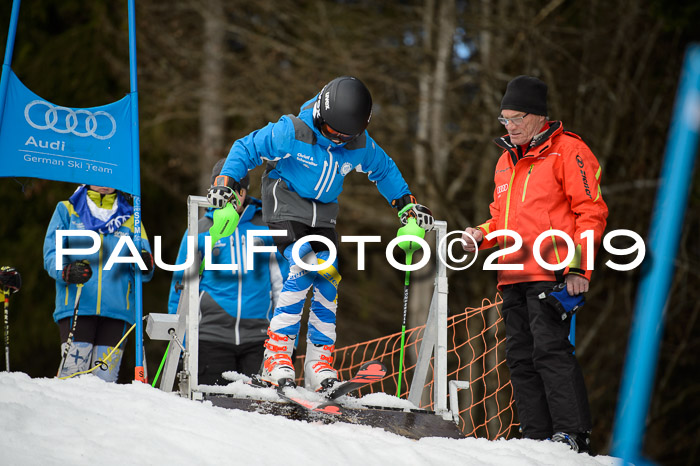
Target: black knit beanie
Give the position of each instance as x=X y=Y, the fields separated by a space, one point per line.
x=526 y=94
x=218 y=166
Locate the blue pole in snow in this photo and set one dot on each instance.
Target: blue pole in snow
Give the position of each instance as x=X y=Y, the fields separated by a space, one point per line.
x=662 y=244
x=9 y=48
x=138 y=372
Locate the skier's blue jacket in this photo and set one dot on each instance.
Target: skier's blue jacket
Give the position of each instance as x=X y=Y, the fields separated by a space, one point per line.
x=108 y=293
x=306 y=171
x=235 y=305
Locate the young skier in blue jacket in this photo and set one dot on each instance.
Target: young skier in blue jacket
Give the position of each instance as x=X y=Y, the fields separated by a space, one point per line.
x=308 y=157
x=106 y=303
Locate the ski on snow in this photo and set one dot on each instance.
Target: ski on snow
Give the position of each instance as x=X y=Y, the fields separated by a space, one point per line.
x=368 y=373
x=325 y=407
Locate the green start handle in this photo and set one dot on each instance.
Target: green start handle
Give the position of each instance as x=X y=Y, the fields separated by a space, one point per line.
x=225 y=222
x=411 y=228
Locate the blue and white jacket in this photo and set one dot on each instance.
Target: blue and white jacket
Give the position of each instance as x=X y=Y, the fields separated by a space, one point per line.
x=235 y=305
x=306 y=171
x=108 y=293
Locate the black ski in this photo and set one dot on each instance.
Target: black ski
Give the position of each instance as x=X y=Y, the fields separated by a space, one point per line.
x=369 y=372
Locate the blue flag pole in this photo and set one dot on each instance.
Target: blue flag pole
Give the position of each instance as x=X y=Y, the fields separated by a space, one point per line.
x=138 y=370
x=9 y=48
x=663 y=241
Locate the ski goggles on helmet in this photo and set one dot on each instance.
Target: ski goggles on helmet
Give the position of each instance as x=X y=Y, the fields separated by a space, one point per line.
x=334 y=135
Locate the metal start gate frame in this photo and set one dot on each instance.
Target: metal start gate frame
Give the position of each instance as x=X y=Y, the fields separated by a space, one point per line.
x=182 y=328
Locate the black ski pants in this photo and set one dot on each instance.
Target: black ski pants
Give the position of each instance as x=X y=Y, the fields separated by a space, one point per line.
x=550 y=393
x=98 y=330
x=216 y=358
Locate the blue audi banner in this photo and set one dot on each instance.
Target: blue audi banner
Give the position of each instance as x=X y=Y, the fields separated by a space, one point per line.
x=39 y=139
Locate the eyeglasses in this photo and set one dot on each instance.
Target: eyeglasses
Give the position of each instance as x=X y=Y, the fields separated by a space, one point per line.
x=334 y=135
x=516 y=121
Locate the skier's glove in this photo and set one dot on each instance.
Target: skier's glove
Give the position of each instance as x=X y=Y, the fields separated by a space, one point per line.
x=147 y=259
x=10 y=279
x=423 y=215
x=77 y=272
x=223 y=190
x=403 y=201
x=408 y=207
x=560 y=300
x=218 y=196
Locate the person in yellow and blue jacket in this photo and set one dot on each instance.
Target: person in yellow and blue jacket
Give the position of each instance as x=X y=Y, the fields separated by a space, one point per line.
x=106 y=302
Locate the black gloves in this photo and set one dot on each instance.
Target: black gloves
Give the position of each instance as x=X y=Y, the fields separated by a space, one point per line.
x=560 y=300
x=403 y=201
x=222 y=191
x=77 y=272
x=423 y=215
x=147 y=258
x=408 y=207
x=10 y=279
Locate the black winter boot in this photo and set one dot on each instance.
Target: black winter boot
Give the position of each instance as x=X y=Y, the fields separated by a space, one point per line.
x=580 y=442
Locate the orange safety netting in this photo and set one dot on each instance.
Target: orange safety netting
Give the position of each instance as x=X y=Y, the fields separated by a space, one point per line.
x=475 y=353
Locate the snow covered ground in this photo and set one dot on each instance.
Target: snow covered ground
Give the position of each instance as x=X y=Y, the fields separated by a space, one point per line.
x=85 y=421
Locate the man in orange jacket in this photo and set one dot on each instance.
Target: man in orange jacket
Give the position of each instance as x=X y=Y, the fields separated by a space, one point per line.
x=547 y=179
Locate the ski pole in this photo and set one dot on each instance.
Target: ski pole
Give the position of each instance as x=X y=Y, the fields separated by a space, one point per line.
x=403 y=327
x=101 y=363
x=69 y=340
x=162 y=363
x=7 y=329
x=409 y=247
x=10 y=282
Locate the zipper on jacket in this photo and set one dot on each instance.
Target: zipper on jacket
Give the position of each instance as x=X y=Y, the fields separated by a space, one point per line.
x=98 y=306
x=556 y=250
x=527 y=178
x=510 y=189
x=234 y=253
x=244 y=265
x=240 y=241
x=274 y=193
x=313 y=218
x=128 y=292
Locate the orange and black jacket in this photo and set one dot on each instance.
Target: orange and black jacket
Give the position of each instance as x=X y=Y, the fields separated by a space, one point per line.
x=553 y=185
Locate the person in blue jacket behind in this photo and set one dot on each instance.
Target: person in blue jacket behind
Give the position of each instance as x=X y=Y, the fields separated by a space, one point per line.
x=106 y=303
x=308 y=157
x=235 y=305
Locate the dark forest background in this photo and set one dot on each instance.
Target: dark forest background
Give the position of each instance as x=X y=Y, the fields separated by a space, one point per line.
x=211 y=71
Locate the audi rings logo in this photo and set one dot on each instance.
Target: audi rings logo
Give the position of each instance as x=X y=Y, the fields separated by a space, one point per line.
x=82 y=123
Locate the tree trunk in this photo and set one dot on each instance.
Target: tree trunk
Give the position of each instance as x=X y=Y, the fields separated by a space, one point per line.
x=433 y=84
x=211 y=111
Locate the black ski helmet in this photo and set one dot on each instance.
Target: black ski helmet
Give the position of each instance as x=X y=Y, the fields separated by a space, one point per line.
x=345 y=105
